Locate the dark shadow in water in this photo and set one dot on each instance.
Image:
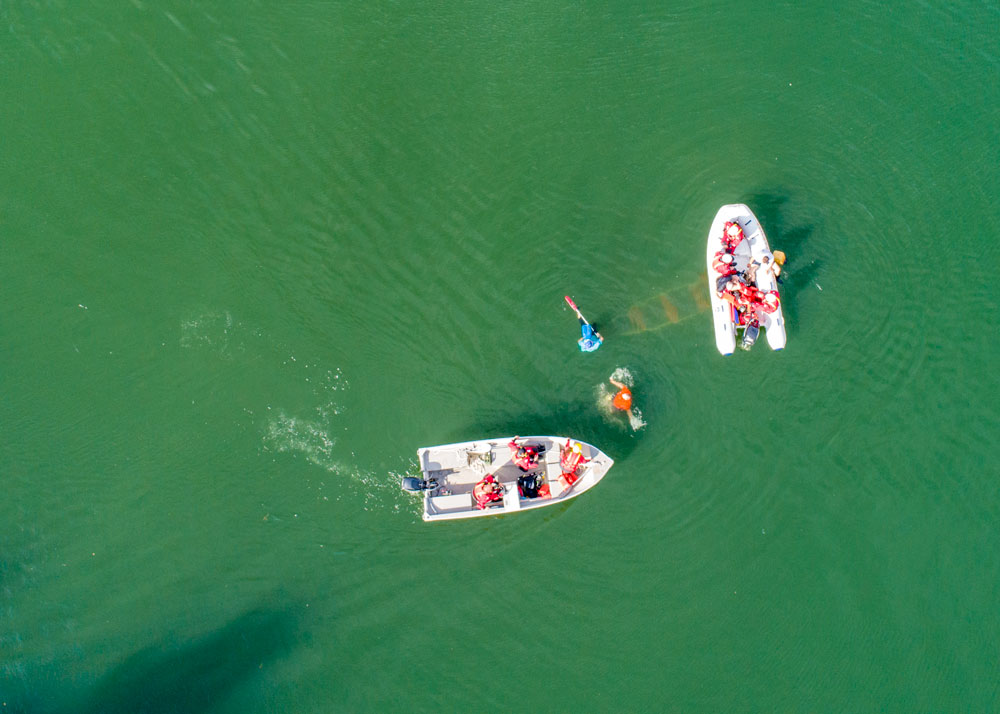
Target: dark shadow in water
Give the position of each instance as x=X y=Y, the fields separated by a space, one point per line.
x=580 y=420
x=795 y=241
x=194 y=676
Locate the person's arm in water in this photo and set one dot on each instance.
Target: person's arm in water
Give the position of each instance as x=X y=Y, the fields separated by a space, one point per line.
x=617 y=384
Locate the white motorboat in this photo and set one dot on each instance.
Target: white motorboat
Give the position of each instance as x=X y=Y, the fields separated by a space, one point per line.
x=452 y=472
x=729 y=323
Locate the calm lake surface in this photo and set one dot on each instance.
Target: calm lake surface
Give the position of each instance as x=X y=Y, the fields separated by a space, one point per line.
x=254 y=255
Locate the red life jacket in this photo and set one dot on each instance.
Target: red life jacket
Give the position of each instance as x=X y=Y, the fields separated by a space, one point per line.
x=623 y=400
x=484 y=497
x=721 y=267
x=749 y=294
x=569 y=459
x=729 y=241
x=769 y=306
x=525 y=457
x=730 y=298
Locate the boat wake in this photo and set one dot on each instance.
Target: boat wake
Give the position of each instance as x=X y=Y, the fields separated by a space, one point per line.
x=214 y=331
x=289 y=434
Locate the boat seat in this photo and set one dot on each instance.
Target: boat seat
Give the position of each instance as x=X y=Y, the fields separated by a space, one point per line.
x=444 y=462
x=453 y=502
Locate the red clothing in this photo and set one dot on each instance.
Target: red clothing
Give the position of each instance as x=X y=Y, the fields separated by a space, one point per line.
x=720 y=266
x=487 y=491
x=524 y=457
x=769 y=306
x=570 y=459
x=623 y=400
x=732 y=241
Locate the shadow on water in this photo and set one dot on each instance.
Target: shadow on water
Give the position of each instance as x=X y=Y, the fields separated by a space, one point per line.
x=192 y=676
x=795 y=241
x=579 y=420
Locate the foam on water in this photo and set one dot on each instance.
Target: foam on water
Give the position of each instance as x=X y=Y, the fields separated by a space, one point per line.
x=211 y=330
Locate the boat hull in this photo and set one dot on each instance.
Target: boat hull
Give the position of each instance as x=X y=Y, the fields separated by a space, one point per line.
x=456 y=468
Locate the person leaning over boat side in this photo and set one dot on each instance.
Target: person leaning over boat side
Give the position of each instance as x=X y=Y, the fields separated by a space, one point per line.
x=487 y=491
x=570 y=459
x=766 y=265
x=623 y=400
x=779 y=263
x=524 y=457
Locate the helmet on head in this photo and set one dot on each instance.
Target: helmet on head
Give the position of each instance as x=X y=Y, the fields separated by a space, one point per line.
x=727 y=258
x=577 y=448
x=734 y=229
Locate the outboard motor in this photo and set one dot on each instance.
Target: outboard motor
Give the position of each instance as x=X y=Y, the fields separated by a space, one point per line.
x=416 y=485
x=750 y=333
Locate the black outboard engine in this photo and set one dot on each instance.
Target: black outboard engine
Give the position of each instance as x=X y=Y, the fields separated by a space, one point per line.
x=416 y=485
x=750 y=333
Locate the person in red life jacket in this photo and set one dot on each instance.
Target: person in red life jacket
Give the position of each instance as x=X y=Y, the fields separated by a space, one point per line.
x=732 y=292
x=487 y=491
x=769 y=301
x=724 y=263
x=623 y=400
x=524 y=457
x=570 y=459
x=750 y=295
x=731 y=298
x=732 y=234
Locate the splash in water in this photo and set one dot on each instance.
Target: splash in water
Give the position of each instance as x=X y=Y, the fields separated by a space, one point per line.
x=604 y=393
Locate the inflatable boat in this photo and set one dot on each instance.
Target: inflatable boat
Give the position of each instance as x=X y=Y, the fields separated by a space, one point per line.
x=751 y=250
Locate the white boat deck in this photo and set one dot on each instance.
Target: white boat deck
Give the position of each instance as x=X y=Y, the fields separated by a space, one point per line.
x=457 y=468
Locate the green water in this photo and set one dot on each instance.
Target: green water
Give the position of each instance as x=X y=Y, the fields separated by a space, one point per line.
x=253 y=256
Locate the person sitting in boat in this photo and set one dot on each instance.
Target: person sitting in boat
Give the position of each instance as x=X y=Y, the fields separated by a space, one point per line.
x=570 y=459
x=766 y=265
x=769 y=301
x=724 y=263
x=733 y=292
x=487 y=491
x=524 y=457
x=750 y=295
x=732 y=234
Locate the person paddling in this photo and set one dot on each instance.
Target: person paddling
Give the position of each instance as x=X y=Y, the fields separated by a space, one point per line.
x=591 y=339
x=623 y=400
